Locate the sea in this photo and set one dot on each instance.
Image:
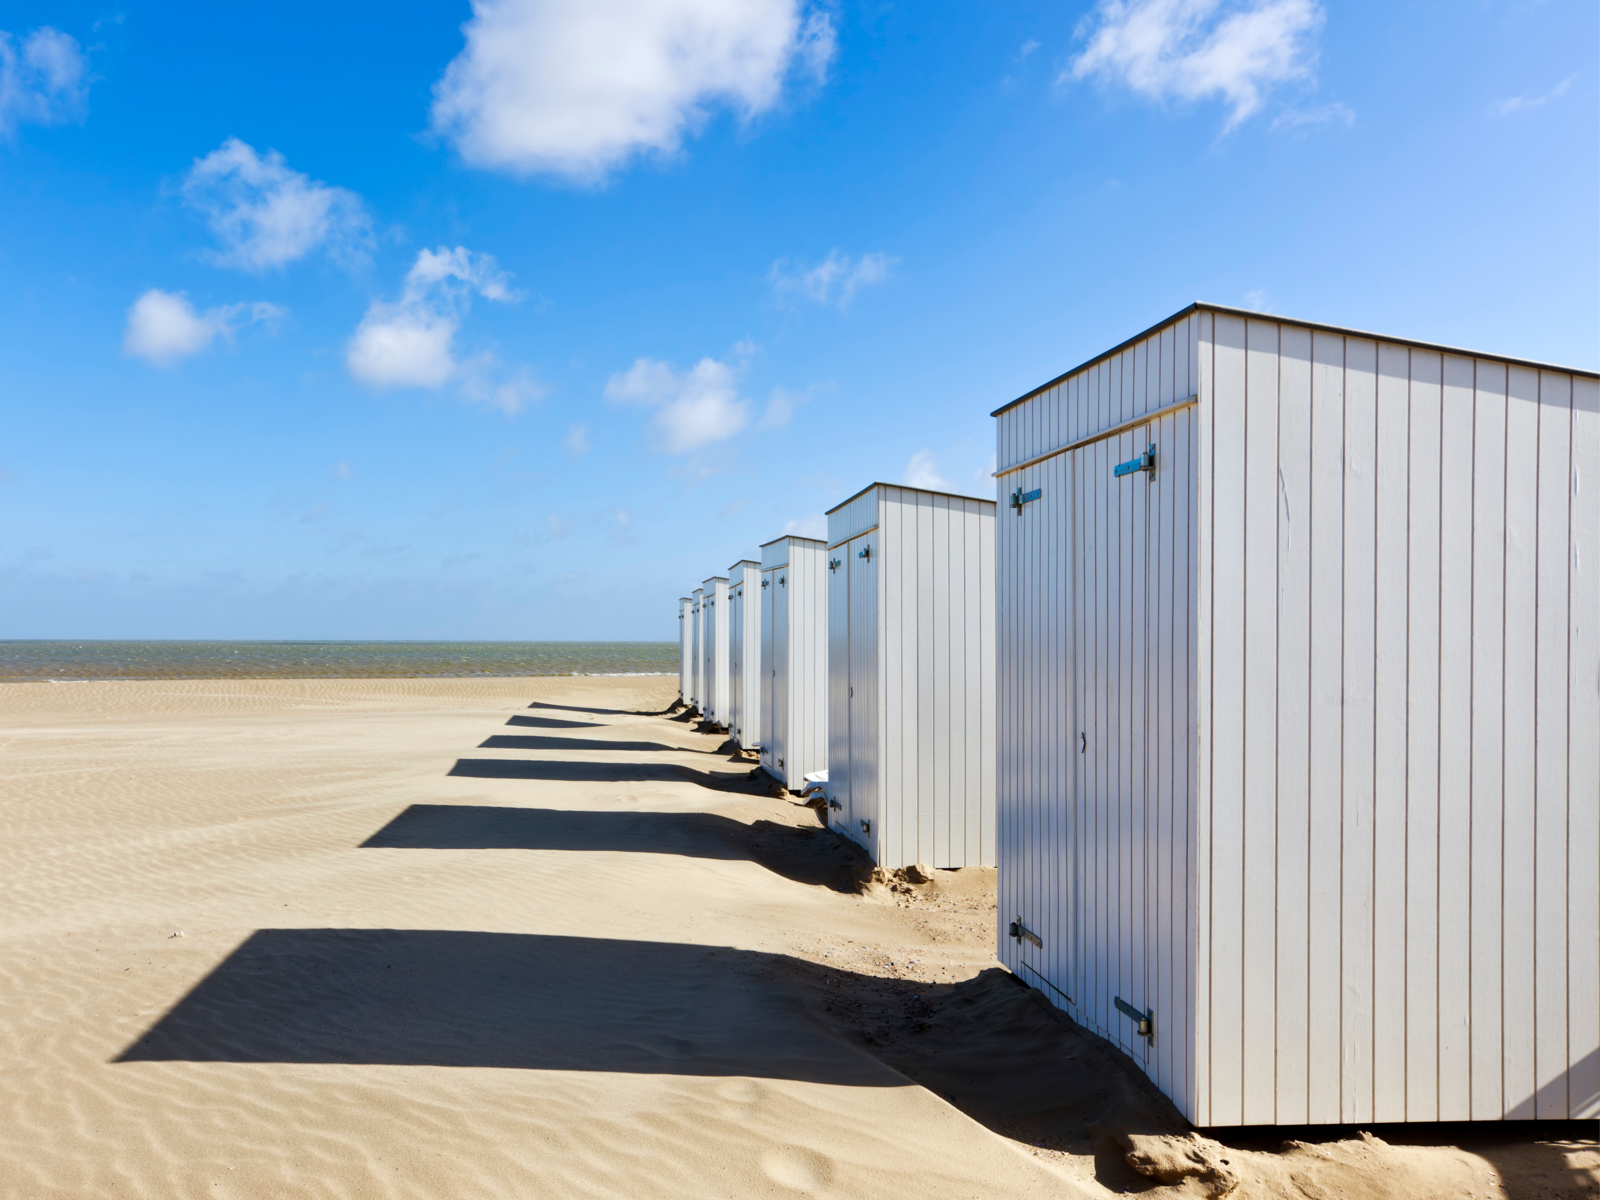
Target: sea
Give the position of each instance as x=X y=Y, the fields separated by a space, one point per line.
x=22 y=661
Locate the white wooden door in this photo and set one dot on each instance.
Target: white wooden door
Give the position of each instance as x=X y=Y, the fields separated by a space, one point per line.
x=839 y=685
x=780 y=678
x=773 y=731
x=862 y=697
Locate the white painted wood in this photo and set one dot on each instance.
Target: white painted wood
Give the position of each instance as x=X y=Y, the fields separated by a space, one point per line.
x=686 y=650
x=911 y=660
x=744 y=654
x=794 y=616
x=714 y=609
x=697 y=656
x=1299 y=743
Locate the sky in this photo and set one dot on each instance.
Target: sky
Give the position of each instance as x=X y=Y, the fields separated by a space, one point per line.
x=518 y=320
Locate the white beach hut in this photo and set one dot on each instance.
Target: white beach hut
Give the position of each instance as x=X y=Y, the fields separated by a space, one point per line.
x=697 y=697
x=794 y=659
x=1300 y=721
x=686 y=650
x=911 y=675
x=744 y=654
x=714 y=651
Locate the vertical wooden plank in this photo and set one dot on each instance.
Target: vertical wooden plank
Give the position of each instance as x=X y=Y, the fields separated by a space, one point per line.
x=1200 y=831
x=1360 y=588
x=1324 y=890
x=1390 y=680
x=925 y=681
x=1258 y=731
x=1293 y=690
x=1521 y=734
x=1551 y=815
x=1422 y=741
x=937 y=796
x=1583 y=778
x=1227 y=732
x=1488 y=732
x=1457 y=420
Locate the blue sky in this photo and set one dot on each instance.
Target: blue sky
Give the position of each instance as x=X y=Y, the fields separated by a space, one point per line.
x=424 y=321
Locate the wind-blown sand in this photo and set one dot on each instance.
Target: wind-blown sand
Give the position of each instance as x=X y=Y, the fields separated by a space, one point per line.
x=508 y=937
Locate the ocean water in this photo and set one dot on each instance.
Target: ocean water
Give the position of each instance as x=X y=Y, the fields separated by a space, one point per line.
x=30 y=660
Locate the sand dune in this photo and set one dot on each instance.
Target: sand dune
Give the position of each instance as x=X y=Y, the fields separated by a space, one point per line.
x=428 y=938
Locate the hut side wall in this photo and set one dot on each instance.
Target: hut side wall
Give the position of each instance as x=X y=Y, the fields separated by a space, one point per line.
x=697 y=659
x=686 y=650
x=1401 y=738
x=1096 y=702
x=714 y=651
x=794 y=695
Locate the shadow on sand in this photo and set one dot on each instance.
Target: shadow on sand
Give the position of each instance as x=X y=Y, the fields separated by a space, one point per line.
x=507 y=741
x=553 y=723
x=809 y=854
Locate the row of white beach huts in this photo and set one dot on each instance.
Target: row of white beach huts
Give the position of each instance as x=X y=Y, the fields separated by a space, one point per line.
x=1270 y=684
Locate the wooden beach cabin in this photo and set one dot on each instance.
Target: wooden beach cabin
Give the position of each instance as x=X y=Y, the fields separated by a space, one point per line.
x=686 y=651
x=744 y=654
x=794 y=659
x=714 y=651
x=911 y=675
x=696 y=661
x=1299 y=720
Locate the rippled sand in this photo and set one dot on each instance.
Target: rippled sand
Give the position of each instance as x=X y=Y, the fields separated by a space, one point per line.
x=529 y=938
x=434 y=1010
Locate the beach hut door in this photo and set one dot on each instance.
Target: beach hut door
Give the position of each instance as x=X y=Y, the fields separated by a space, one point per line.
x=862 y=696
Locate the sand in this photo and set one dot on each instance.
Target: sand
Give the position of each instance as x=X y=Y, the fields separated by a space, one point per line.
x=512 y=937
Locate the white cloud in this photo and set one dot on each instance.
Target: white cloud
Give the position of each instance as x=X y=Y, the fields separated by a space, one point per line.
x=577 y=440
x=411 y=342
x=1193 y=49
x=835 y=280
x=921 y=473
x=43 y=81
x=163 y=327
x=1518 y=103
x=1291 y=119
x=555 y=527
x=692 y=409
x=1257 y=300
x=577 y=87
x=266 y=215
x=814 y=525
x=780 y=407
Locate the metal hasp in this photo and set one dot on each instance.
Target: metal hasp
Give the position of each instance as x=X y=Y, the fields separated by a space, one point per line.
x=1145 y=462
x=834 y=564
x=1020 y=497
x=1147 y=1019
x=1023 y=934
x=866 y=552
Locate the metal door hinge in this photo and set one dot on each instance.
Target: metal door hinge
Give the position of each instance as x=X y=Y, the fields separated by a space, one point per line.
x=783 y=581
x=1023 y=934
x=1145 y=462
x=764 y=582
x=1146 y=1019
x=866 y=552
x=866 y=826
x=834 y=564
x=1020 y=497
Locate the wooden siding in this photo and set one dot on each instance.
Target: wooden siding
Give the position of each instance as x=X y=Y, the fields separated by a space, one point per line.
x=697 y=658
x=714 y=651
x=1096 y=702
x=912 y=631
x=1370 y=873
x=1403 y=708
x=686 y=650
x=794 y=599
x=744 y=653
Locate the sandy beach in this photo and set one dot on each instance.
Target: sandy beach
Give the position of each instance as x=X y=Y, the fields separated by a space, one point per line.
x=535 y=937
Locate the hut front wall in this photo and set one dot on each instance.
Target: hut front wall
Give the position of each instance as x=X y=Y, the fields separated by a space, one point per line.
x=685 y=650
x=714 y=651
x=745 y=663
x=1402 y=736
x=1096 y=702
x=697 y=658
x=794 y=684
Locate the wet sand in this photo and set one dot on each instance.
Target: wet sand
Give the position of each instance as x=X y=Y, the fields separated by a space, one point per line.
x=533 y=937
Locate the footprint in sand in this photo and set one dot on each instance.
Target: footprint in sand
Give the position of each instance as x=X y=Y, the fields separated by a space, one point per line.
x=798 y=1168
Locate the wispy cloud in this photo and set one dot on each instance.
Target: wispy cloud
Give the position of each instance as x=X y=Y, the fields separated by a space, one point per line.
x=266 y=215
x=1528 y=100
x=577 y=439
x=1302 y=120
x=575 y=88
x=1191 y=50
x=693 y=408
x=164 y=327
x=921 y=472
x=834 y=281
x=814 y=525
x=410 y=342
x=44 y=80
